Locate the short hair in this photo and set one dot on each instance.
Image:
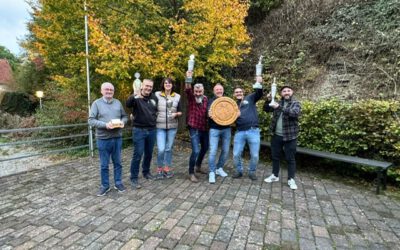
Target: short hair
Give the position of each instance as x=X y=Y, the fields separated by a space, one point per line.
x=198 y=86
x=218 y=84
x=167 y=79
x=238 y=87
x=147 y=80
x=106 y=83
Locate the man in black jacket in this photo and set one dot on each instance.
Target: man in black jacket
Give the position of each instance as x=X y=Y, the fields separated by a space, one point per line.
x=285 y=129
x=144 y=108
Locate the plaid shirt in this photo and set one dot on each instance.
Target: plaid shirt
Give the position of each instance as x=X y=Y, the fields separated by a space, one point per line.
x=197 y=112
x=290 y=118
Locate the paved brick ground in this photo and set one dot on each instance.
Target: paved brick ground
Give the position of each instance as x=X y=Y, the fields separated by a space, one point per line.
x=56 y=208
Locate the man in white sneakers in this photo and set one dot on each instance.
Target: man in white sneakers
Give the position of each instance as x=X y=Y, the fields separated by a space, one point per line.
x=285 y=129
x=217 y=132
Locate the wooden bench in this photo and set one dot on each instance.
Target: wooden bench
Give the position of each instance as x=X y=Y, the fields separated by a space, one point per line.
x=381 y=166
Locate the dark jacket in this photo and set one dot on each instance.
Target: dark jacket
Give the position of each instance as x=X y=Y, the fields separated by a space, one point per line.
x=290 y=118
x=144 y=110
x=248 y=111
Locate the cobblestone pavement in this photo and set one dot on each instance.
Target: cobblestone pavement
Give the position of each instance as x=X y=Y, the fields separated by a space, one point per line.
x=56 y=208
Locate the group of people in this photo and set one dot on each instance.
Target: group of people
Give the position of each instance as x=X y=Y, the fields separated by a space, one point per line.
x=155 y=119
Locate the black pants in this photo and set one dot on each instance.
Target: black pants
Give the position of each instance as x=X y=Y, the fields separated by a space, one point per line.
x=289 y=147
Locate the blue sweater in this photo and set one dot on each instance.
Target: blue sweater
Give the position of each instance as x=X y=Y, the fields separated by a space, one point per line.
x=248 y=111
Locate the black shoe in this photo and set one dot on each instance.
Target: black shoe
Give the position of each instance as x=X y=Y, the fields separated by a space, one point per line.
x=135 y=184
x=237 y=175
x=148 y=176
x=253 y=176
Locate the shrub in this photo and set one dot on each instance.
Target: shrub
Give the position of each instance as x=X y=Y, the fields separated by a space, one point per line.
x=17 y=103
x=369 y=129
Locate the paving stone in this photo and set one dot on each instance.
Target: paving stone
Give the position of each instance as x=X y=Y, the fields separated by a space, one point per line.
x=272 y=238
x=320 y=232
x=168 y=243
x=132 y=244
x=323 y=243
x=306 y=244
x=177 y=232
x=205 y=239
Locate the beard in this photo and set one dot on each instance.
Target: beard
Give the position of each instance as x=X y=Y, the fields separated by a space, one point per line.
x=199 y=99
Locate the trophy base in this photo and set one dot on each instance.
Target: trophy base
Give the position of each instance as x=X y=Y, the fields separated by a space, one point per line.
x=273 y=103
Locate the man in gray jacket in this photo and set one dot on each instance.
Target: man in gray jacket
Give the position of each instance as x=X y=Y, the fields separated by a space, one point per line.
x=108 y=117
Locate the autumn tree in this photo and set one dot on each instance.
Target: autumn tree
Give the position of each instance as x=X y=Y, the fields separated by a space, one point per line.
x=153 y=37
x=156 y=39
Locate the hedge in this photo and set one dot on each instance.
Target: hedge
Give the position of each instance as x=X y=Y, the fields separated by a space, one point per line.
x=368 y=128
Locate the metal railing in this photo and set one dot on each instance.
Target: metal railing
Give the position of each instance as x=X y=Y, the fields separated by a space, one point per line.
x=69 y=137
x=43 y=146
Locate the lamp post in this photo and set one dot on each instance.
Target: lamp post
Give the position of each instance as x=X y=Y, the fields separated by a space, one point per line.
x=40 y=94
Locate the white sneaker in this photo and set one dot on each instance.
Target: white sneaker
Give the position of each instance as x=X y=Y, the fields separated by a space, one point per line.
x=221 y=172
x=271 y=178
x=211 y=177
x=292 y=184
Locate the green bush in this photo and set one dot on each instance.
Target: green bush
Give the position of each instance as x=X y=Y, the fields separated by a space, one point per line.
x=369 y=129
x=17 y=103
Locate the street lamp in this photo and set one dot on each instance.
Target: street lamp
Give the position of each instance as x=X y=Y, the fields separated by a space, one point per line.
x=40 y=94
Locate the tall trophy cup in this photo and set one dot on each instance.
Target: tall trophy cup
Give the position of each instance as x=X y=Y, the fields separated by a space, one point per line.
x=137 y=84
x=273 y=93
x=259 y=67
x=169 y=108
x=190 y=67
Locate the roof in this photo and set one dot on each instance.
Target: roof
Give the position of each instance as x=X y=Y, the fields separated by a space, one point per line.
x=6 y=74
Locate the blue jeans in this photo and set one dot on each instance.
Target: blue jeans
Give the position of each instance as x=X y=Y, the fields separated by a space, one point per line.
x=289 y=147
x=215 y=135
x=143 y=142
x=165 y=143
x=110 y=148
x=252 y=137
x=199 y=140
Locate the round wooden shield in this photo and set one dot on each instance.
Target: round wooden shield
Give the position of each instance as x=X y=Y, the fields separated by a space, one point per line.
x=224 y=111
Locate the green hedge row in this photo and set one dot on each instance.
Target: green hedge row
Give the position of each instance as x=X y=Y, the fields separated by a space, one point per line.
x=368 y=128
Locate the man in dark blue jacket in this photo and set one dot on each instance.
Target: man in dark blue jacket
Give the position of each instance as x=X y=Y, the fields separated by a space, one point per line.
x=247 y=129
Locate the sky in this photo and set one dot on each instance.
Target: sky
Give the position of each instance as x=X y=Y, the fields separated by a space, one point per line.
x=14 y=14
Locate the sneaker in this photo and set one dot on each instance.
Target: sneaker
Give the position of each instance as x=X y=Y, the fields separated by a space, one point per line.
x=103 y=191
x=148 y=176
x=160 y=173
x=200 y=171
x=211 y=177
x=221 y=172
x=193 y=178
x=237 y=175
x=292 y=184
x=120 y=188
x=135 y=184
x=167 y=172
x=253 y=176
x=271 y=178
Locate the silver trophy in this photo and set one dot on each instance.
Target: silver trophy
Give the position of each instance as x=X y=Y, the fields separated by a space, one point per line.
x=190 y=67
x=169 y=108
x=137 y=83
x=259 y=67
x=273 y=93
x=191 y=63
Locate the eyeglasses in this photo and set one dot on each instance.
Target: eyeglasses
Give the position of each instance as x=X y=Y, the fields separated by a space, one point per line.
x=108 y=89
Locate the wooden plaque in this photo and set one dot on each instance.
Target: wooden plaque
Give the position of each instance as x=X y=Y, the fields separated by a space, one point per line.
x=224 y=111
